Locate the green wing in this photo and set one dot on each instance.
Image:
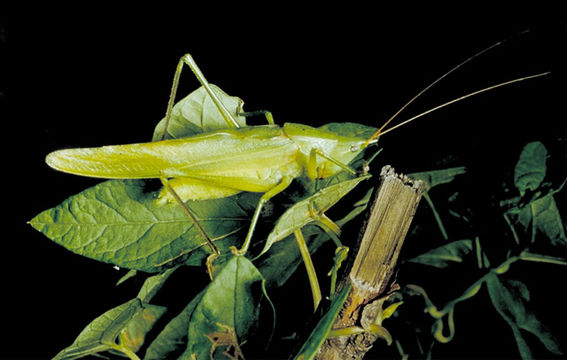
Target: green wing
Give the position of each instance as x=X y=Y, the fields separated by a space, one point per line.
x=250 y=158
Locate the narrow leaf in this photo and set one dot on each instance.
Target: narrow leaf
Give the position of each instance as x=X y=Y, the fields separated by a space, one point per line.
x=438 y=177
x=323 y=328
x=442 y=256
x=528 y=256
x=129 y=275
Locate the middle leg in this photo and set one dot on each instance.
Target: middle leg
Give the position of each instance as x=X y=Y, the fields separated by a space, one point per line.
x=283 y=184
x=188 y=60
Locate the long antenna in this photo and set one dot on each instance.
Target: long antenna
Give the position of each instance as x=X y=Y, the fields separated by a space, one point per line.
x=379 y=131
x=462 y=98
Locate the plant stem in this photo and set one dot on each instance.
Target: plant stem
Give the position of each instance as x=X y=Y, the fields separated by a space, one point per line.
x=511 y=226
x=527 y=256
x=126 y=351
x=436 y=215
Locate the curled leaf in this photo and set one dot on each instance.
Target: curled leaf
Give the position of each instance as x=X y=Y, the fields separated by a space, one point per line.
x=197 y=113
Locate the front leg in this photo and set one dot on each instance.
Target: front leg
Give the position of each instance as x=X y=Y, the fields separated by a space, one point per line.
x=314 y=171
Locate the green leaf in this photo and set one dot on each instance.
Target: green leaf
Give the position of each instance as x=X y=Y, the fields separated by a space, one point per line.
x=129 y=275
x=301 y=213
x=119 y=223
x=197 y=113
x=101 y=333
x=152 y=285
x=510 y=299
x=173 y=338
x=134 y=333
x=228 y=312
x=323 y=328
x=530 y=169
x=529 y=256
x=438 y=177
x=129 y=321
x=442 y=256
x=544 y=215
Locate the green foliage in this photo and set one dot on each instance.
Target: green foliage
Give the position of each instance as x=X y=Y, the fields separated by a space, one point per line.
x=530 y=169
x=535 y=209
x=510 y=298
x=536 y=214
x=442 y=256
x=123 y=328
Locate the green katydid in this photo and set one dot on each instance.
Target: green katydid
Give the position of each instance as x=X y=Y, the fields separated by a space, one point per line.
x=221 y=163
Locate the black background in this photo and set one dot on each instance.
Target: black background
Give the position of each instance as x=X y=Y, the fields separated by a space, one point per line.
x=89 y=75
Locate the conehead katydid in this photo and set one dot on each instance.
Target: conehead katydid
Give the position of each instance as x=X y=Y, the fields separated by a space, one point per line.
x=221 y=163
